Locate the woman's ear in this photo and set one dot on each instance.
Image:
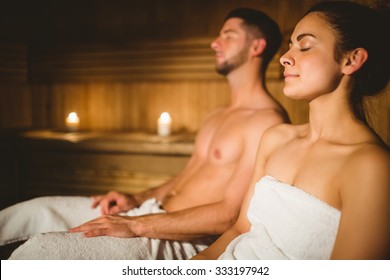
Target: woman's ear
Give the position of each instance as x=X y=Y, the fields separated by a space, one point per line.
x=258 y=46
x=354 y=60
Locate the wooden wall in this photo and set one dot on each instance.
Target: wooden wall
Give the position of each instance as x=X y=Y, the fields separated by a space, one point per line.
x=119 y=64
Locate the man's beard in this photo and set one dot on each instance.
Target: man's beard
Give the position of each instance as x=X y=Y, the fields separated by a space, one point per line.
x=233 y=63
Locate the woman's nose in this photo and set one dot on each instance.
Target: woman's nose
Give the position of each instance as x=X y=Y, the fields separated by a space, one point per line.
x=286 y=60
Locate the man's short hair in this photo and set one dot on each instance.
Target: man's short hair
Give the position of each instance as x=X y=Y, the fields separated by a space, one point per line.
x=266 y=26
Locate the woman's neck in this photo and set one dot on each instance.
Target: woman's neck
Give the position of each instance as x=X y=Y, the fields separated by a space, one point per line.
x=331 y=119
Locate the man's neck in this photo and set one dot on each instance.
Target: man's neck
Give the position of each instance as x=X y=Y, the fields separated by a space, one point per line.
x=247 y=87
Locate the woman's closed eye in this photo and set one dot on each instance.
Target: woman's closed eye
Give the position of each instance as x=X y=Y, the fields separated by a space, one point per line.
x=304 y=49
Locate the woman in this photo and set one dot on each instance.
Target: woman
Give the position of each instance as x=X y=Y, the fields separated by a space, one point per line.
x=322 y=190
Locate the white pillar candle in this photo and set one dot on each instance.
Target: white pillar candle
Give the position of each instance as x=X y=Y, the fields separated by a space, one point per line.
x=164 y=124
x=72 y=121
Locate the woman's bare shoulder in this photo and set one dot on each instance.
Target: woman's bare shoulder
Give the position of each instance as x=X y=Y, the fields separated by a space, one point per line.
x=367 y=170
x=365 y=204
x=372 y=157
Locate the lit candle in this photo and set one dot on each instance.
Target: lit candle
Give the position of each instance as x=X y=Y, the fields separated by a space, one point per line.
x=72 y=121
x=164 y=124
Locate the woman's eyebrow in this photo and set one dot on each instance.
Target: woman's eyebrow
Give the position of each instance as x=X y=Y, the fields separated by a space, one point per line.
x=301 y=36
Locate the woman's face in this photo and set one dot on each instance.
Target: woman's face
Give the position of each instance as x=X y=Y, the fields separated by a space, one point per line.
x=310 y=67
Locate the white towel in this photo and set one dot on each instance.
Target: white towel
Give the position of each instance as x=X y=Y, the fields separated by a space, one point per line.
x=73 y=246
x=44 y=214
x=287 y=223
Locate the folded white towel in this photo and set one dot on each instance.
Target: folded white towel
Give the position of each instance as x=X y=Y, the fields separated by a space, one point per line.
x=287 y=223
x=73 y=246
x=44 y=214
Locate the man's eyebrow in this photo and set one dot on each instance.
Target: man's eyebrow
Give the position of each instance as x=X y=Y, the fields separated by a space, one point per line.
x=229 y=31
x=301 y=36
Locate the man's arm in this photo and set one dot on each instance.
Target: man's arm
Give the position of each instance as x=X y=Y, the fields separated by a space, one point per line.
x=189 y=223
x=210 y=219
x=241 y=226
x=114 y=202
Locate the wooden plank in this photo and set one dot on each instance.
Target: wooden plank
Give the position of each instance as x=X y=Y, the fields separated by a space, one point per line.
x=160 y=60
x=13 y=63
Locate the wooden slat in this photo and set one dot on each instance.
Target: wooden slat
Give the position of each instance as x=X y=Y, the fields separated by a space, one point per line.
x=13 y=63
x=48 y=170
x=164 y=60
x=146 y=60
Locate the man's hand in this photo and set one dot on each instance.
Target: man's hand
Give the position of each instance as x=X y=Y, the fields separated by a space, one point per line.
x=108 y=225
x=113 y=203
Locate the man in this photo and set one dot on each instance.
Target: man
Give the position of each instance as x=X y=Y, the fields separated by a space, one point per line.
x=176 y=219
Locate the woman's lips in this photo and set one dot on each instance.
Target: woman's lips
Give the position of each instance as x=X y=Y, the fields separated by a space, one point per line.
x=290 y=75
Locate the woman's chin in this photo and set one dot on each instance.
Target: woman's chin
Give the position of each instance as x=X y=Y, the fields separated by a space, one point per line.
x=291 y=94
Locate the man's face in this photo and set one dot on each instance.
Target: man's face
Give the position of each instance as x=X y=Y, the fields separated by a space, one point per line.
x=231 y=46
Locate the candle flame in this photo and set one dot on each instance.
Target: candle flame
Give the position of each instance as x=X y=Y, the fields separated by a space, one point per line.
x=73 y=118
x=165 y=117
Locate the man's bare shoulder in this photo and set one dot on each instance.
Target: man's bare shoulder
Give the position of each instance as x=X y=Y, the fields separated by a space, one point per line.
x=260 y=119
x=280 y=135
x=214 y=113
x=265 y=113
x=284 y=132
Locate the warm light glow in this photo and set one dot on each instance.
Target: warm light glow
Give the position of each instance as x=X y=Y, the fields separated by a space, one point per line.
x=73 y=118
x=164 y=124
x=165 y=117
x=72 y=121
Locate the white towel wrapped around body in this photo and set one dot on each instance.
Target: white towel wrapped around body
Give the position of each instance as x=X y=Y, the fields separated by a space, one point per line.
x=50 y=217
x=287 y=223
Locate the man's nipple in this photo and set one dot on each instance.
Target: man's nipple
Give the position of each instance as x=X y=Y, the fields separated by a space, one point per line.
x=217 y=154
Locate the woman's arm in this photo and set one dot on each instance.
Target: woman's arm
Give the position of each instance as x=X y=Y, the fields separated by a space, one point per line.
x=364 y=230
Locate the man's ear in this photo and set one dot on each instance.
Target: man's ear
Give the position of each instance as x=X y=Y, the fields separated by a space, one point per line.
x=354 y=61
x=258 y=46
